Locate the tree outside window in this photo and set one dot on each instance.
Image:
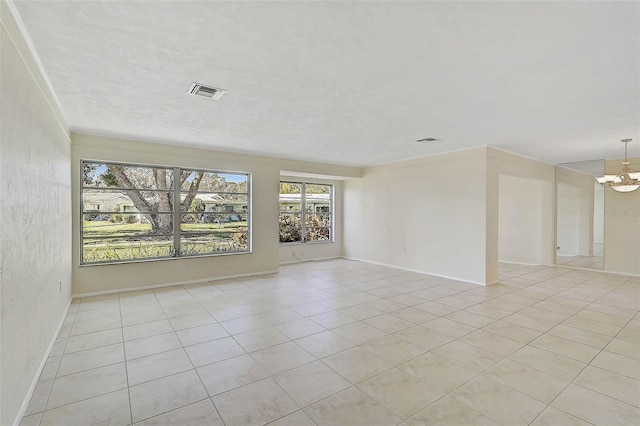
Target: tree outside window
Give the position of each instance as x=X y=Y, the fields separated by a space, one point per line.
x=170 y=212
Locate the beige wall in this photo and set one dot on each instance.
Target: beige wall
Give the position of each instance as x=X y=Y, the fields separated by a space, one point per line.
x=265 y=256
x=427 y=215
x=622 y=225
x=525 y=220
x=506 y=237
x=35 y=247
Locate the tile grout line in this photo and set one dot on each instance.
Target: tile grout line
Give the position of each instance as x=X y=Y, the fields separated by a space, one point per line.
x=347 y=283
x=124 y=356
x=55 y=376
x=580 y=372
x=586 y=364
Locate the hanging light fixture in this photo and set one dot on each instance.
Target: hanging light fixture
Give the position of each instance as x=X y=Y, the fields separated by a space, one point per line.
x=625 y=180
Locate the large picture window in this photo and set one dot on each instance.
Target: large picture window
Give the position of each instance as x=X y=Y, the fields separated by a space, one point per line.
x=306 y=212
x=133 y=212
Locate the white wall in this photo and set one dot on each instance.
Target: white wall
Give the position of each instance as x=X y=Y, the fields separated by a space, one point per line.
x=296 y=252
x=35 y=247
x=622 y=225
x=427 y=215
x=524 y=204
x=265 y=256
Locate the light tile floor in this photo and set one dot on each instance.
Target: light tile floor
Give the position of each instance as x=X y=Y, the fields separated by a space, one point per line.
x=350 y=343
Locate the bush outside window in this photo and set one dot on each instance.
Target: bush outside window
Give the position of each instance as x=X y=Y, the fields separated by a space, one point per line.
x=134 y=212
x=306 y=212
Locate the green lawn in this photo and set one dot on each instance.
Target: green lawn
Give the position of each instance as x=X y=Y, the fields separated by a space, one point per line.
x=209 y=227
x=107 y=229
x=135 y=240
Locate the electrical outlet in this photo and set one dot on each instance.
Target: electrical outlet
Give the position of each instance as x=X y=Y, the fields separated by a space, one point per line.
x=60 y=290
x=186 y=271
x=404 y=250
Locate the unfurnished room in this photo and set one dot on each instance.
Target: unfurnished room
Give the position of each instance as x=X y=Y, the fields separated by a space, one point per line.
x=323 y=213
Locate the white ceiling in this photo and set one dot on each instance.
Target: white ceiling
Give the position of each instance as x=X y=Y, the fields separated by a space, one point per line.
x=349 y=83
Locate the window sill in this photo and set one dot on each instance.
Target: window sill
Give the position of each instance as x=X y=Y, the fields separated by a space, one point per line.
x=161 y=259
x=306 y=243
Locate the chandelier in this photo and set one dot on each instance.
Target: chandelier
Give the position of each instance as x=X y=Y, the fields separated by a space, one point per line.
x=625 y=180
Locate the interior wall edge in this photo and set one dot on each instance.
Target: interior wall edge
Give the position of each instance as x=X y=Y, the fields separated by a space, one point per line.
x=441 y=157
x=36 y=231
x=318 y=259
x=510 y=262
x=137 y=145
x=600 y=271
x=494 y=151
x=177 y=283
x=34 y=382
x=14 y=28
x=464 y=280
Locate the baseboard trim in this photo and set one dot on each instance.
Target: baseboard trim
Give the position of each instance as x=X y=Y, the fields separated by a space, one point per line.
x=464 y=280
x=152 y=286
x=34 y=383
x=519 y=263
x=601 y=271
x=317 y=259
x=578 y=268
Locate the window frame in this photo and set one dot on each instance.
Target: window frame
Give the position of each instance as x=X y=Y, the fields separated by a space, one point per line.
x=176 y=191
x=303 y=212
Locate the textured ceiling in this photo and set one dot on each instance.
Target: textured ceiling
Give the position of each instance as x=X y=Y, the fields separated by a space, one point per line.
x=348 y=83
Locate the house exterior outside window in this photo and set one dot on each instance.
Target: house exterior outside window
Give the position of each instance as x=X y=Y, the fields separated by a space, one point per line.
x=141 y=212
x=305 y=212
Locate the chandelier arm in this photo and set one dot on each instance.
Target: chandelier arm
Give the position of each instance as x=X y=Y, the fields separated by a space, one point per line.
x=625 y=180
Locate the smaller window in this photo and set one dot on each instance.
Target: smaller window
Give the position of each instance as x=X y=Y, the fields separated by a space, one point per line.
x=306 y=212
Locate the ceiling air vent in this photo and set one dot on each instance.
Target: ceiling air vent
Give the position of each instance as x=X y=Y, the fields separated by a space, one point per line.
x=206 y=91
x=427 y=140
